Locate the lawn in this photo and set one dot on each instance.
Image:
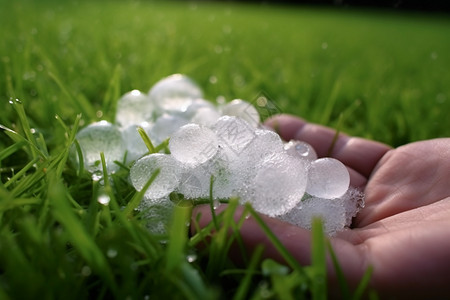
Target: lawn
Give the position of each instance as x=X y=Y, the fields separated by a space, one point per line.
x=376 y=74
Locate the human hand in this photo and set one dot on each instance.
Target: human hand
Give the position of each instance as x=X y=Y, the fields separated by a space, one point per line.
x=404 y=230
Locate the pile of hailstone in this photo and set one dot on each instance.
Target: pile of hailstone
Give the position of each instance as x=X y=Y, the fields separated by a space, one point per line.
x=226 y=142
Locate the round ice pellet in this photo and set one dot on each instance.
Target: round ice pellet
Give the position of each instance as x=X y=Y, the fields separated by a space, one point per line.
x=265 y=143
x=175 y=93
x=165 y=182
x=165 y=126
x=196 y=105
x=100 y=137
x=193 y=144
x=234 y=134
x=278 y=186
x=242 y=109
x=206 y=116
x=156 y=214
x=301 y=149
x=134 y=108
x=327 y=178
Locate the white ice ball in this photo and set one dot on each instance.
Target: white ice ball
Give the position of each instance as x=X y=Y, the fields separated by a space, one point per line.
x=193 y=144
x=301 y=150
x=100 y=137
x=175 y=93
x=165 y=182
x=134 y=108
x=242 y=109
x=328 y=178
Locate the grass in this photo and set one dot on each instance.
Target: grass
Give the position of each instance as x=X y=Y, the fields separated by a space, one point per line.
x=376 y=74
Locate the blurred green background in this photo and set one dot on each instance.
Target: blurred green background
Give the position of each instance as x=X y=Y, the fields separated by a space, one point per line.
x=383 y=74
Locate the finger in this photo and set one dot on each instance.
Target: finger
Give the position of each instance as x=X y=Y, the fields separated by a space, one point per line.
x=356 y=179
x=359 y=154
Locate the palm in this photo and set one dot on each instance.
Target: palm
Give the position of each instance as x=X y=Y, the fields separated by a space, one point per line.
x=404 y=230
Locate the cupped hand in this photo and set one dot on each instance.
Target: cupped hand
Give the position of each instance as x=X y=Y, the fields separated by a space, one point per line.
x=404 y=230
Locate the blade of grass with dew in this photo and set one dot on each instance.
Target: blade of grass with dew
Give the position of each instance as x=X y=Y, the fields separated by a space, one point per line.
x=105 y=213
x=80 y=238
x=211 y=202
x=21 y=174
x=16 y=137
x=18 y=106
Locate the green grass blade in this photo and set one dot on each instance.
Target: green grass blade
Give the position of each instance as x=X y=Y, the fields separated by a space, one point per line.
x=292 y=262
x=134 y=202
x=22 y=172
x=178 y=236
x=319 y=263
x=11 y=149
x=343 y=285
x=80 y=238
x=211 y=202
x=16 y=137
x=146 y=140
x=244 y=287
x=363 y=284
x=112 y=94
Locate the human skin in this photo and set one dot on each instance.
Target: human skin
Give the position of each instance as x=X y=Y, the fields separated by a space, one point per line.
x=403 y=232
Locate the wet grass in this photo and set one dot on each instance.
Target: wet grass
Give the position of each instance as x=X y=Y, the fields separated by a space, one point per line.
x=376 y=74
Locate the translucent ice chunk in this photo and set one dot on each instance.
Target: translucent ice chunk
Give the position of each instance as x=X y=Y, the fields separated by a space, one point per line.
x=265 y=144
x=136 y=147
x=193 y=144
x=243 y=149
x=234 y=134
x=165 y=126
x=242 y=109
x=195 y=182
x=336 y=214
x=332 y=213
x=156 y=214
x=327 y=178
x=278 y=186
x=196 y=105
x=175 y=93
x=301 y=149
x=166 y=181
x=100 y=137
x=134 y=108
x=206 y=116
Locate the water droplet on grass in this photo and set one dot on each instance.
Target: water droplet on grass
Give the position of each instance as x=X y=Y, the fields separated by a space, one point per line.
x=111 y=253
x=103 y=199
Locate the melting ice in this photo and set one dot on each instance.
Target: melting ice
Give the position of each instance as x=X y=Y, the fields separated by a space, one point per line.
x=226 y=141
